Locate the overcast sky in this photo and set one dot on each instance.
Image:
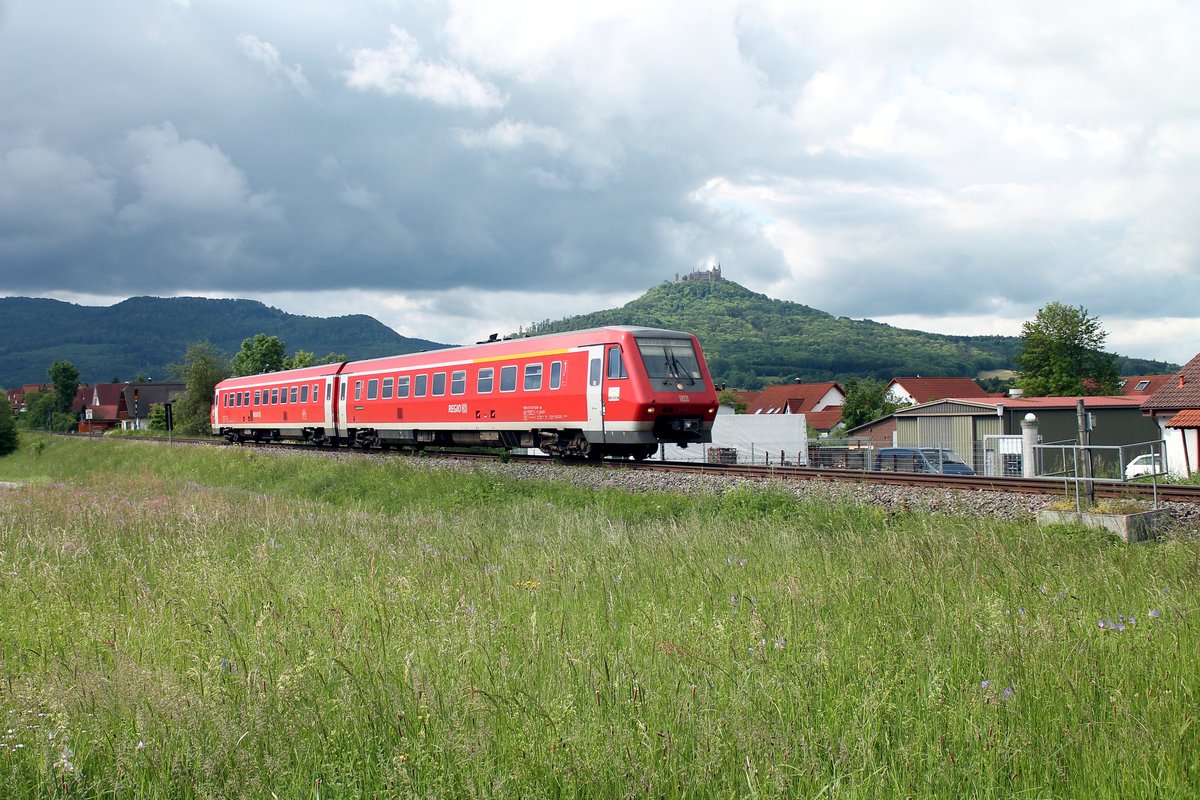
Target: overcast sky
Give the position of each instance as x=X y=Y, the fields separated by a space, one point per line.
x=456 y=168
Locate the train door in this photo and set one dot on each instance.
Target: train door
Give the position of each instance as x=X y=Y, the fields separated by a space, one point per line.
x=340 y=398
x=331 y=417
x=595 y=394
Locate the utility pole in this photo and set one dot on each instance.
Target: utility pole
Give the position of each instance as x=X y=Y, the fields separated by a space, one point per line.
x=1085 y=440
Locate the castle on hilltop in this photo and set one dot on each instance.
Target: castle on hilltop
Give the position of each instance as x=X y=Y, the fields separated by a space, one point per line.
x=711 y=275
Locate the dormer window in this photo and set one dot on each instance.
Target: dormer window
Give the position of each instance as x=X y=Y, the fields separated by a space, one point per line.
x=1141 y=386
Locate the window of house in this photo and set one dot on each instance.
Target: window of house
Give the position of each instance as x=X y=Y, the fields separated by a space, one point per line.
x=484 y=384
x=439 y=384
x=556 y=369
x=373 y=389
x=1141 y=386
x=420 y=384
x=388 y=383
x=402 y=386
x=533 y=377
x=508 y=378
x=458 y=381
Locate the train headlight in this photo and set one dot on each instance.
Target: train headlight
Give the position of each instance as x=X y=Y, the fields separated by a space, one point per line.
x=650 y=410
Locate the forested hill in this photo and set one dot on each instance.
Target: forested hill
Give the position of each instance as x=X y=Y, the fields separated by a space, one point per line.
x=142 y=335
x=751 y=340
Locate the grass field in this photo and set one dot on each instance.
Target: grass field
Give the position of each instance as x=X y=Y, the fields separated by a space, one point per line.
x=187 y=622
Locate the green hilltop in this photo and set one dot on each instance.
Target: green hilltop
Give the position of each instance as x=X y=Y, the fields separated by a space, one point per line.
x=751 y=340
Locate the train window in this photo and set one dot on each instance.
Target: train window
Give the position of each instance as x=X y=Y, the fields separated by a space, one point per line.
x=486 y=376
x=458 y=381
x=246 y=397
x=373 y=389
x=228 y=399
x=316 y=395
x=342 y=392
x=533 y=377
x=419 y=385
x=439 y=384
x=616 y=369
x=508 y=378
x=594 y=372
x=274 y=397
x=237 y=399
x=292 y=397
x=402 y=386
x=357 y=390
x=258 y=397
x=556 y=368
x=304 y=393
x=387 y=388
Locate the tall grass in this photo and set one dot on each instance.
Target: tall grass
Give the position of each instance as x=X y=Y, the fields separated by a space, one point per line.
x=225 y=624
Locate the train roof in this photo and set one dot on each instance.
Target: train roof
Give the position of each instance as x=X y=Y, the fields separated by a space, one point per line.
x=520 y=343
x=514 y=345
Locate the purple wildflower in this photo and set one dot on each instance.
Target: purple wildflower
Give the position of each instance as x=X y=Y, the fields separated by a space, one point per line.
x=1008 y=694
x=1154 y=613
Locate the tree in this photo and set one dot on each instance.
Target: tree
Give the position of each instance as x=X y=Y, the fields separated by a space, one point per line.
x=1062 y=355
x=302 y=358
x=866 y=399
x=262 y=353
x=8 y=427
x=39 y=410
x=156 y=420
x=65 y=378
x=202 y=369
x=728 y=397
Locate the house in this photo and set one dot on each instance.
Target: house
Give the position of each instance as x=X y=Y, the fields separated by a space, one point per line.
x=975 y=427
x=1175 y=409
x=820 y=403
x=100 y=410
x=912 y=391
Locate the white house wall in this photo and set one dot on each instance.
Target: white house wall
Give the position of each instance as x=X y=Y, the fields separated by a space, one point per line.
x=1180 y=464
x=756 y=437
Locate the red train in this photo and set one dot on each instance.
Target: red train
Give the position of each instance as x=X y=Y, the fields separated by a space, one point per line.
x=618 y=391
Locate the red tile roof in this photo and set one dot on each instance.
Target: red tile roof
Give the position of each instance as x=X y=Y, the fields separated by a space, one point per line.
x=1181 y=391
x=1070 y=402
x=925 y=389
x=791 y=398
x=824 y=420
x=1153 y=384
x=1188 y=418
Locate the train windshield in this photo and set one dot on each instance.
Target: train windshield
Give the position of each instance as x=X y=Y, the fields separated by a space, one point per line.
x=670 y=361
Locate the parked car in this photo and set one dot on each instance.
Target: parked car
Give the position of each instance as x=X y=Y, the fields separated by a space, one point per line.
x=1148 y=464
x=921 y=459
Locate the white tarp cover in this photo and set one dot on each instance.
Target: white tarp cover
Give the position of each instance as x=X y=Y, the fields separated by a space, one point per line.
x=758 y=439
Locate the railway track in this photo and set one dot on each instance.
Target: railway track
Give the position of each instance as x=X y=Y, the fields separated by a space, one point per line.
x=1148 y=492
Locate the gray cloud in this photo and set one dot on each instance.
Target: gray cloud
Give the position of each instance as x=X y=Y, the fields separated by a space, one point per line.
x=938 y=162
